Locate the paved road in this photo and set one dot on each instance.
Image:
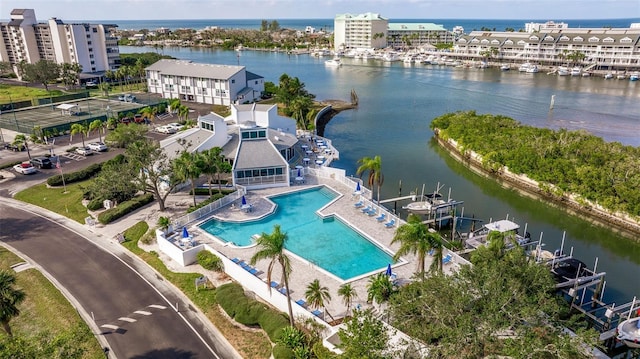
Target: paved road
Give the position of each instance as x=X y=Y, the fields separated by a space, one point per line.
x=136 y=320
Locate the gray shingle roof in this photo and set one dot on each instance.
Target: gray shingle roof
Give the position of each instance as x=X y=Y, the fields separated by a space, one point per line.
x=191 y=69
x=258 y=154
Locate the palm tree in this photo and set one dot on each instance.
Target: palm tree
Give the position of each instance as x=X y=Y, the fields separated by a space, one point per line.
x=318 y=296
x=81 y=129
x=374 y=167
x=97 y=125
x=271 y=246
x=21 y=140
x=10 y=298
x=415 y=237
x=112 y=123
x=149 y=112
x=348 y=294
x=187 y=167
x=379 y=288
x=213 y=163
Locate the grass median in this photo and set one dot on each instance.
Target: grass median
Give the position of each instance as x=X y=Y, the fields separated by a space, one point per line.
x=47 y=321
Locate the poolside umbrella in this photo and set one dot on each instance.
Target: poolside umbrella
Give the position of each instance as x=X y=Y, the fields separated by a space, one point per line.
x=244 y=201
x=299 y=173
x=388 y=272
x=185 y=233
x=358 y=187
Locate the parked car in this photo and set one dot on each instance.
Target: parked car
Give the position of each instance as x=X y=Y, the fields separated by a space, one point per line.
x=121 y=97
x=129 y=98
x=97 y=146
x=14 y=148
x=25 y=168
x=41 y=162
x=166 y=129
x=91 y=84
x=85 y=151
x=175 y=125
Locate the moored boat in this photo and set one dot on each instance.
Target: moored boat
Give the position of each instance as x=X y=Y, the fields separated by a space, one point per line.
x=533 y=69
x=576 y=71
x=524 y=67
x=608 y=76
x=505 y=67
x=335 y=62
x=563 y=71
x=629 y=332
x=634 y=76
x=507 y=228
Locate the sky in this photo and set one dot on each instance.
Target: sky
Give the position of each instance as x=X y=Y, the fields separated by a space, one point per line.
x=323 y=9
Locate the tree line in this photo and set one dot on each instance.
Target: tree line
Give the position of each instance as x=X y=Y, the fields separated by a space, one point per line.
x=564 y=162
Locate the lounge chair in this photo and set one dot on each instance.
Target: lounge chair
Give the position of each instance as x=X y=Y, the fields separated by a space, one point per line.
x=236 y=260
x=284 y=290
x=390 y=224
x=358 y=204
x=372 y=212
x=431 y=252
x=302 y=303
x=381 y=217
x=317 y=313
x=275 y=284
x=447 y=259
x=366 y=209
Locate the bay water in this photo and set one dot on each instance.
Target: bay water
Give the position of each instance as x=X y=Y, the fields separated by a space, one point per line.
x=397 y=102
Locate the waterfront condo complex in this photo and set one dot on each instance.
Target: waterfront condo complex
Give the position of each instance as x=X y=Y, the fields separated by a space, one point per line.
x=25 y=40
x=204 y=83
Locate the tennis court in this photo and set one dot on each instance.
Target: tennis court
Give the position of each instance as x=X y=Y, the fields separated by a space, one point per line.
x=60 y=116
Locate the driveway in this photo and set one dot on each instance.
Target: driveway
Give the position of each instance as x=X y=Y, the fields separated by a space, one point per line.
x=137 y=319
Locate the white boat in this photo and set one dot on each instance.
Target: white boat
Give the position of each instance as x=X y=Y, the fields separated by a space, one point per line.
x=634 y=76
x=524 y=67
x=563 y=71
x=576 y=71
x=408 y=59
x=533 y=69
x=505 y=67
x=621 y=77
x=608 y=76
x=629 y=332
x=335 y=62
x=479 y=237
x=586 y=74
x=390 y=57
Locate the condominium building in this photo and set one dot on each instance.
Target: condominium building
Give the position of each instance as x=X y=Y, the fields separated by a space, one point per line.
x=417 y=35
x=364 y=31
x=598 y=48
x=90 y=45
x=204 y=83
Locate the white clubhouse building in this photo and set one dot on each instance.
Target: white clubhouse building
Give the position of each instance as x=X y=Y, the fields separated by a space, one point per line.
x=204 y=83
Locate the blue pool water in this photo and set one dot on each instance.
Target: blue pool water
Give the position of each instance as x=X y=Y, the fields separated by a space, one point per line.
x=328 y=243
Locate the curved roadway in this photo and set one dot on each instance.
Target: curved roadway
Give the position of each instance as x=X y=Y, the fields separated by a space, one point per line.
x=137 y=319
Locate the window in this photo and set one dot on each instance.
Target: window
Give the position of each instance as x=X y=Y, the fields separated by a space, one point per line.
x=233 y=81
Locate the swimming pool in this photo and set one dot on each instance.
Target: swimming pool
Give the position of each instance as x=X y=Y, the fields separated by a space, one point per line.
x=326 y=242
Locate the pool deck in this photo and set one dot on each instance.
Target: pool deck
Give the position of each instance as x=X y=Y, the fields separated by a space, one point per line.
x=304 y=272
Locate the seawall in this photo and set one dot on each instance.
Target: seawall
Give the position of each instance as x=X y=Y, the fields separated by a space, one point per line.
x=619 y=222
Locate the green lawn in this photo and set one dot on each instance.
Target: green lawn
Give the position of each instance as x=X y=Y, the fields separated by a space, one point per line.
x=68 y=204
x=47 y=319
x=14 y=93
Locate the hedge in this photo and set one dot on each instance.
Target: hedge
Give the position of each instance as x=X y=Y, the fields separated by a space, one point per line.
x=124 y=208
x=215 y=197
x=214 y=191
x=95 y=204
x=84 y=174
x=10 y=164
x=209 y=261
x=77 y=176
x=250 y=312
x=282 y=352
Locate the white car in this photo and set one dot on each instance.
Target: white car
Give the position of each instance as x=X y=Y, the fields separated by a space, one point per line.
x=166 y=129
x=85 y=151
x=175 y=125
x=25 y=168
x=97 y=146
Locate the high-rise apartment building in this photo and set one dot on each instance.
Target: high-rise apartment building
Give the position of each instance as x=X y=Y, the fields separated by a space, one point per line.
x=90 y=45
x=364 y=31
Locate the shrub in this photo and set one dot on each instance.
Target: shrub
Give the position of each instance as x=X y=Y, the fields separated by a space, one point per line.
x=272 y=322
x=210 y=261
x=95 y=204
x=214 y=190
x=213 y=198
x=124 y=208
x=230 y=297
x=10 y=164
x=250 y=313
x=77 y=176
x=282 y=352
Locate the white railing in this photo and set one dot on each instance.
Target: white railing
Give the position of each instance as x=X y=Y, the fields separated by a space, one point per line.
x=213 y=206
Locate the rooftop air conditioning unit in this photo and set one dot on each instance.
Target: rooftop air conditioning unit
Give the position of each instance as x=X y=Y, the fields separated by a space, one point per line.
x=276 y=138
